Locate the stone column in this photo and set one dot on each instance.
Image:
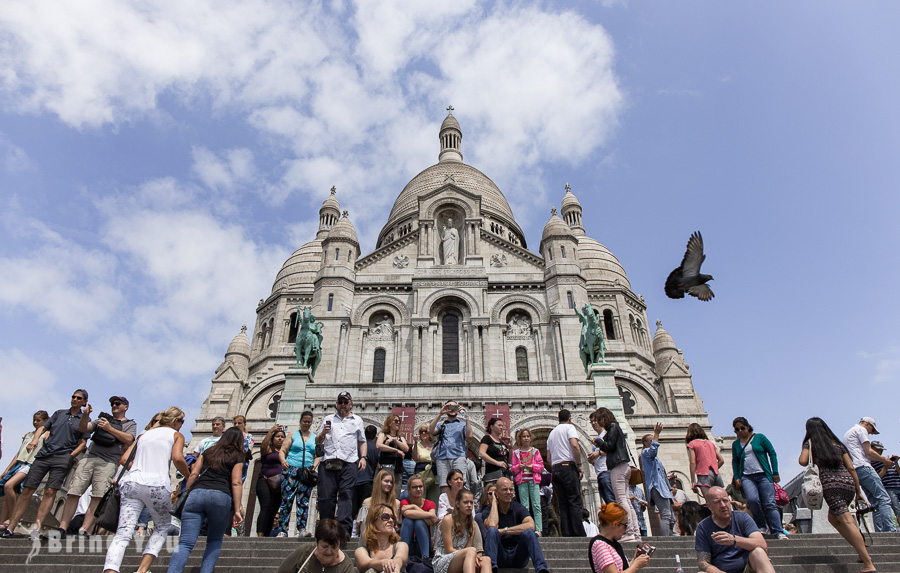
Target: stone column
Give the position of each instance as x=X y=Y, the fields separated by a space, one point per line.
x=607 y=395
x=293 y=399
x=413 y=358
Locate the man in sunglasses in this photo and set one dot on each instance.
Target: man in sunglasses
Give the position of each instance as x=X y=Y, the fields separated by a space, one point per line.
x=111 y=434
x=344 y=440
x=56 y=457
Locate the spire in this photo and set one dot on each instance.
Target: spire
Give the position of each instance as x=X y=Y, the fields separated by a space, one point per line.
x=450 y=137
x=328 y=213
x=571 y=211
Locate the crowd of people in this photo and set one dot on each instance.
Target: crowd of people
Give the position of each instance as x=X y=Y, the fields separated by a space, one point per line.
x=424 y=502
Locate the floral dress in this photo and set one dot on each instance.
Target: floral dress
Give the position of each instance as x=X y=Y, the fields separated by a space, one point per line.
x=442 y=560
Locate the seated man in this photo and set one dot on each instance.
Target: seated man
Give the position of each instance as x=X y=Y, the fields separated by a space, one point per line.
x=510 y=539
x=728 y=540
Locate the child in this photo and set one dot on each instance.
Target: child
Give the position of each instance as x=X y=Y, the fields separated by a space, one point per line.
x=10 y=482
x=526 y=464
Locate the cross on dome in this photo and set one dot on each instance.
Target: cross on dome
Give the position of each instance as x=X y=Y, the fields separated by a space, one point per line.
x=553 y=210
x=450 y=109
x=567 y=186
x=333 y=189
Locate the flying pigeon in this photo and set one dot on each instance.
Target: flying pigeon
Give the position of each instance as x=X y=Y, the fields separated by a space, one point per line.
x=687 y=277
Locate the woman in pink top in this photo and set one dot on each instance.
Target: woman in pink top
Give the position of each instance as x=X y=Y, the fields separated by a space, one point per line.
x=705 y=460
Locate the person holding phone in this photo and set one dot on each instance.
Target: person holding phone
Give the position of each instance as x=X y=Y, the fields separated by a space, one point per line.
x=449 y=451
x=607 y=554
x=343 y=436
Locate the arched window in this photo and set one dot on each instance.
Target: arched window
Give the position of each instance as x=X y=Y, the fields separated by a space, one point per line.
x=292 y=332
x=563 y=251
x=609 y=325
x=330 y=301
x=378 y=366
x=571 y=299
x=450 y=344
x=521 y=364
x=337 y=254
x=269 y=330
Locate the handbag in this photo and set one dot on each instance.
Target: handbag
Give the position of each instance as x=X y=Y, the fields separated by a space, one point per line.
x=107 y=512
x=274 y=482
x=417 y=564
x=781 y=496
x=811 y=486
x=182 y=499
x=637 y=475
x=308 y=476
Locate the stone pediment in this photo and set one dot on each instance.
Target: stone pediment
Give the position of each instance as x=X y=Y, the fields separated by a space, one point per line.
x=227 y=373
x=674 y=369
x=512 y=249
x=468 y=201
x=390 y=249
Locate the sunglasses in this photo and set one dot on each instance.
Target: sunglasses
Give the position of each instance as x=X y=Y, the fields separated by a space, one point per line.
x=740 y=429
x=76 y=397
x=116 y=403
x=387 y=517
x=343 y=401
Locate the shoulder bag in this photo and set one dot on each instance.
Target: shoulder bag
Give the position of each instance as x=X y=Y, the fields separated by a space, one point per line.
x=637 y=475
x=308 y=476
x=107 y=512
x=182 y=499
x=811 y=486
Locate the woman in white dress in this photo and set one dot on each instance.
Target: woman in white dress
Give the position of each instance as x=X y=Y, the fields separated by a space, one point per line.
x=457 y=545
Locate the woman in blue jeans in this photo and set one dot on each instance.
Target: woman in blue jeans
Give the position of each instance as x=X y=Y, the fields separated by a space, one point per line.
x=214 y=494
x=755 y=466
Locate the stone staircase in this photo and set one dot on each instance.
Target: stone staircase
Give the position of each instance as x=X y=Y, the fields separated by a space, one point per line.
x=799 y=554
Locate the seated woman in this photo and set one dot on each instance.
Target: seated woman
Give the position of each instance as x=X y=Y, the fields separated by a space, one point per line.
x=419 y=515
x=324 y=553
x=457 y=546
x=382 y=549
x=455 y=481
x=382 y=493
x=607 y=554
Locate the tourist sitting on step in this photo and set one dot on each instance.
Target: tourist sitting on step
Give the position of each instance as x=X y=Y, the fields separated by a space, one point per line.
x=840 y=483
x=458 y=543
x=56 y=457
x=494 y=452
x=419 y=515
x=607 y=555
x=325 y=552
x=382 y=493
x=510 y=540
x=381 y=548
x=449 y=451
x=344 y=438
x=728 y=540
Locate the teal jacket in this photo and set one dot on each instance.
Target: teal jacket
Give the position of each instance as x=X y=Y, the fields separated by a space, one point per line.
x=764 y=452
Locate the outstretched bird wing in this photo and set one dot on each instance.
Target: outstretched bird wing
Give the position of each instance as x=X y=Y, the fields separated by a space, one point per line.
x=693 y=256
x=703 y=292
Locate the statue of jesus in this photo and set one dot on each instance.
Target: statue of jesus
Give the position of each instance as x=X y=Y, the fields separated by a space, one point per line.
x=450 y=243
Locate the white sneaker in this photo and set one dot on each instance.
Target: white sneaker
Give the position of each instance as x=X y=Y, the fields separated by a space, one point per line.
x=628 y=538
x=282 y=534
x=781 y=535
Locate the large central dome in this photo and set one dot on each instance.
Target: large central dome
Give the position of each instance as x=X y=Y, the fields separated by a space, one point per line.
x=451 y=171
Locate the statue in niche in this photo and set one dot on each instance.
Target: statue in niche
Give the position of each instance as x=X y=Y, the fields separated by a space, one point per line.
x=518 y=326
x=450 y=243
x=383 y=328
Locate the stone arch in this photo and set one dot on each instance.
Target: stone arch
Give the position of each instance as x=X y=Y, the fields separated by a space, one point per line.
x=638 y=388
x=505 y=305
x=470 y=308
x=380 y=303
x=272 y=385
x=445 y=202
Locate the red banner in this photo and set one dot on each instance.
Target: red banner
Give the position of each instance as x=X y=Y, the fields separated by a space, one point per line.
x=407 y=422
x=501 y=412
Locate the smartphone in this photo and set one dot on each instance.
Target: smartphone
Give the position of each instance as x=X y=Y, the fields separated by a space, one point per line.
x=454 y=408
x=647 y=549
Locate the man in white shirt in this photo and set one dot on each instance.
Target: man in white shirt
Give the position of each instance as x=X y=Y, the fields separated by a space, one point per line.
x=344 y=438
x=218 y=428
x=565 y=463
x=861 y=453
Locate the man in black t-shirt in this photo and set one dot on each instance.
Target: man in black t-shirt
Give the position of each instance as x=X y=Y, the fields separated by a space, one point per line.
x=510 y=540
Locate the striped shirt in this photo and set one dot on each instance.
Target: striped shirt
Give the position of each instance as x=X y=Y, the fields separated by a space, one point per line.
x=603 y=555
x=891 y=479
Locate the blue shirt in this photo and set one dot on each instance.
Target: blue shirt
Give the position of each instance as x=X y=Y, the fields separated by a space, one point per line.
x=728 y=558
x=655 y=472
x=453 y=444
x=295 y=455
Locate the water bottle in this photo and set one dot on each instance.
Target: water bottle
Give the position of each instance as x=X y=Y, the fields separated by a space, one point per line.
x=678 y=568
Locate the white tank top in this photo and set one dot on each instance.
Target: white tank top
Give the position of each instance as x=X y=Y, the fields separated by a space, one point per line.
x=152 y=459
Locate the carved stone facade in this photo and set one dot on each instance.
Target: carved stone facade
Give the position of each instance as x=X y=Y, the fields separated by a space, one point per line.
x=512 y=311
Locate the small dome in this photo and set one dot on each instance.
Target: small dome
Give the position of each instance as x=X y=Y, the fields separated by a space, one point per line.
x=301 y=267
x=331 y=202
x=662 y=340
x=343 y=229
x=569 y=200
x=450 y=123
x=240 y=344
x=599 y=264
x=556 y=227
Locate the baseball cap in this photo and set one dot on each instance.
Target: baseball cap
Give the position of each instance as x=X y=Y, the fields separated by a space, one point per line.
x=344 y=395
x=876 y=445
x=870 y=421
x=121 y=399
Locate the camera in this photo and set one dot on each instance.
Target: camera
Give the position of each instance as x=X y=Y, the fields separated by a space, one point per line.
x=647 y=549
x=863 y=508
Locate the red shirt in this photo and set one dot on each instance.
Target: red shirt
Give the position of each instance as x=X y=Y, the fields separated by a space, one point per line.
x=426 y=506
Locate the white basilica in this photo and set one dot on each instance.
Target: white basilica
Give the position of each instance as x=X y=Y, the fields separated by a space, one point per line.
x=452 y=303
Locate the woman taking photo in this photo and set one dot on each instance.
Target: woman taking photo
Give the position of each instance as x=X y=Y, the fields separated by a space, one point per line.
x=421 y=452
x=382 y=549
x=393 y=449
x=297 y=452
x=457 y=545
x=213 y=495
x=526 y=465
x=839 y=483
x=455 y=482
x=419 y=515
x=148 y=485
x=268 y=486
x=494 y=452
x=607 y=554
x=704 y=459
x=323 y=555
x=613 y=443
x=755 y=468
x=382 y=494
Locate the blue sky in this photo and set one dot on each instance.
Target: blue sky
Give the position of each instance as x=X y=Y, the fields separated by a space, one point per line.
x=159 y=163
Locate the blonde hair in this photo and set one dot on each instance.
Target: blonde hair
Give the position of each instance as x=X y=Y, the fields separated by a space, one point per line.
x=171 y=415
x=519 y=433
x=370 y=534
x=386 y=427
x=378 y=496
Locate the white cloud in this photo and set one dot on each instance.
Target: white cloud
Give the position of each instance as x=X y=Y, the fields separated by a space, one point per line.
x=22 y=379
x=12 y=157
x=224 y=173
x=886 y=365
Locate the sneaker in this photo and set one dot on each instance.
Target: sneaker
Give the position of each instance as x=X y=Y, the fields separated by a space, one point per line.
x=628 y=538
x=282 y=534
x=83 y=533
x=781 y=535
x=7 y=534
